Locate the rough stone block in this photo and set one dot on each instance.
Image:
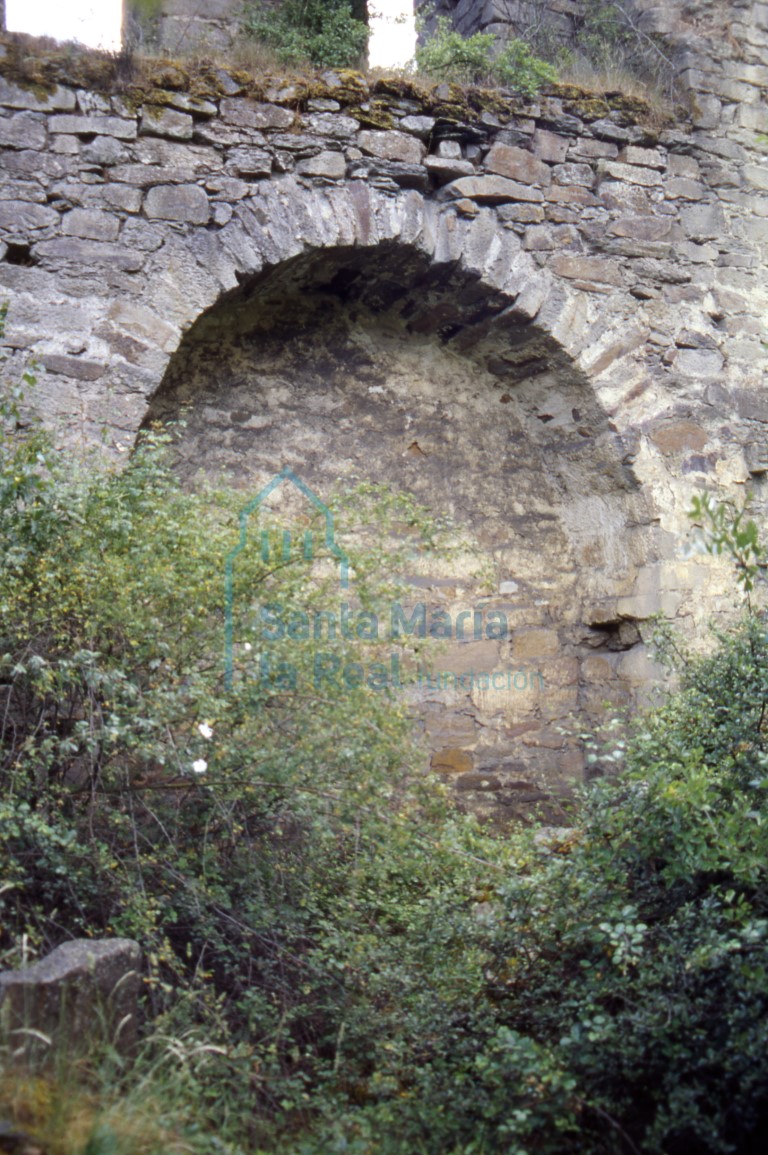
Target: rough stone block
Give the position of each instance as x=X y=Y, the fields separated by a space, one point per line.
x=571 y=195
x=116 y=126
x=699 y=362
x=679 y=165
x=756 y=175
x=186 y=202
x=549 y=146
x=444 y=169
x=20 y=218
x=158 y=121
x=588 y=269
x=586 y=150
x=518 y=164
x=75 y=367
x=13 y=96
x=631 y=174
x=90 y=223
x=418 y=125
x=547 y=238
x=682 y=188
x=23 y=131
x=647 y=157
x=76 y=251
x=452 y=760
x=572 y=173
x=391 y=145
x=535 y=643
x=640 y=228
x=524 y=214
x=326 y=164
x=250 y=162
x=81 y=993
x=492 y=190
x=678 y=436
x=339 y=127
x=703 y=222
x=246 y=114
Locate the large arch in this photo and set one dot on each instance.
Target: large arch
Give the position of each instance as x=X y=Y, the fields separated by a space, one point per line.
x=381 y=339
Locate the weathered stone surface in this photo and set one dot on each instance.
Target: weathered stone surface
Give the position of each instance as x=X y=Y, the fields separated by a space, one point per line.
x=646 y=157
x=85 y=990
x=631 y=174
x=20 y=218
x=246 y=114
x=641 y=228
x=588 y=269
x=91 y=223
x=77 y=367
x=549 y=146
x=159 y=121
x=678 y=436
x=703 y=222
x=698 y=362
x=518 y=165
x=339 y=127
x=391 y=145
x=685 y=189
x=13 y=96
x=327 y=164
x=116 y=126
x=177 y=203
x=451 y=760
x=85 y=253
x=23 y=131
x=420 y=126
x=249 y=162
x=445 y=170
x=493 y=190
x=572 y=173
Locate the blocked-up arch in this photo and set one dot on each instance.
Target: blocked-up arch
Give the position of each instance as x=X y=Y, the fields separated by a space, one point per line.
x=375 y=338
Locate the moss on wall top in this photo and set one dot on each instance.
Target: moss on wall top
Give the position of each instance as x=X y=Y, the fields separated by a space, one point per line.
x=41 y=64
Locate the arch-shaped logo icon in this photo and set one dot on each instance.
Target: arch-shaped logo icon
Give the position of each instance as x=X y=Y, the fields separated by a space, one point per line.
x=286 y=549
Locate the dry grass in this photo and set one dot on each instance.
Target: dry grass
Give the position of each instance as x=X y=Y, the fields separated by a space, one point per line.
x=618 y=78
x=62 y=1116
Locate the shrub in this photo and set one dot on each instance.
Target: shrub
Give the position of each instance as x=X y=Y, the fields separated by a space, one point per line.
x=477 y=59
x=323 y=32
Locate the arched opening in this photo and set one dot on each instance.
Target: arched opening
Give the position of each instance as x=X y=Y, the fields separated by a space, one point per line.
x=380 y=365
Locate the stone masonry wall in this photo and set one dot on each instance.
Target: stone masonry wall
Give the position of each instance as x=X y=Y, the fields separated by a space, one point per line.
x=179 y=26
x=543 y=318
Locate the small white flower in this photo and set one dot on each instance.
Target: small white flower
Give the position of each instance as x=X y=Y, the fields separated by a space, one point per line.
x=247 y=647
x=205 y=730
x=200 y=766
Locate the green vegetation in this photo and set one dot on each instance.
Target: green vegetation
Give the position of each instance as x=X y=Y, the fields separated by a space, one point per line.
x=335 y=960
x=476 y=59
x=324 y=33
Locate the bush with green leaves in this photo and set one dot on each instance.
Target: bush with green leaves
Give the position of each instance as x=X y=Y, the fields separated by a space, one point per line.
x=336 y=961
x=322 y=32
x=480 y=58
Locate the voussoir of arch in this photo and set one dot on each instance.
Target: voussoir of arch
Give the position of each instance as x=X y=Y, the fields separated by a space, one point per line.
x=287 y=219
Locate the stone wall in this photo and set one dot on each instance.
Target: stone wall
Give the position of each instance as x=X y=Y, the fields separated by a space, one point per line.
x=179 y=26
x=544 y=319
x=551 y=20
